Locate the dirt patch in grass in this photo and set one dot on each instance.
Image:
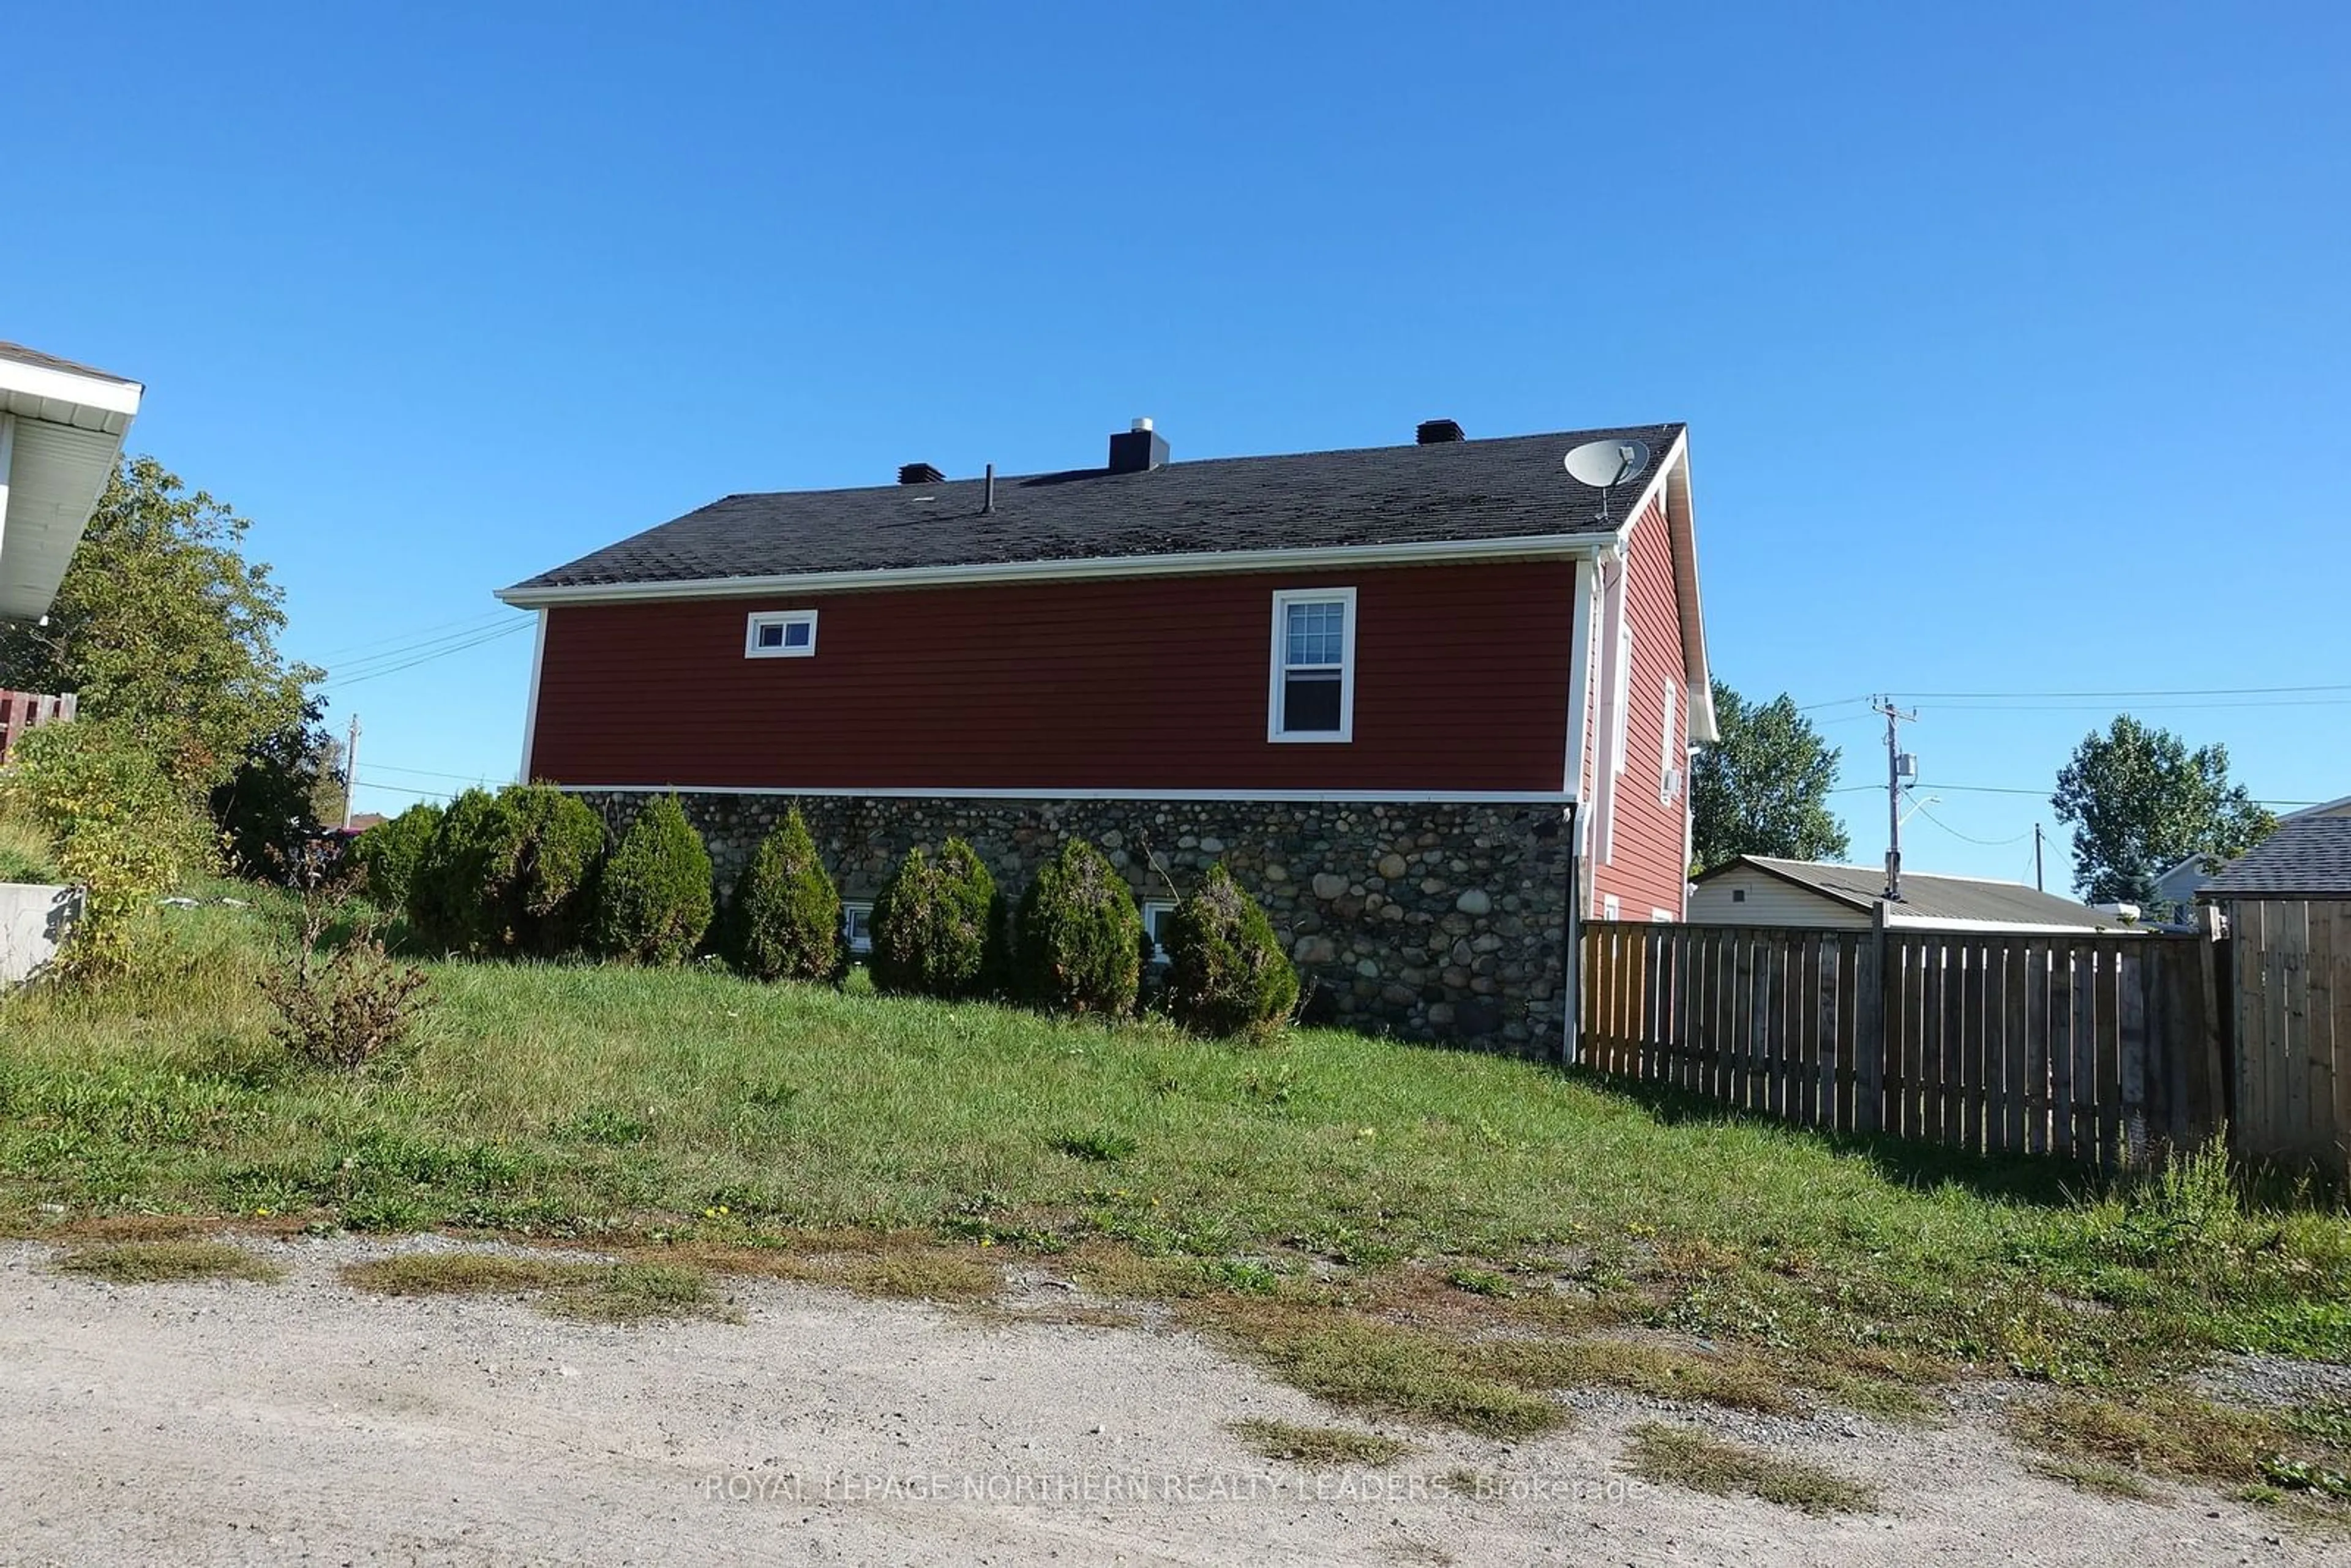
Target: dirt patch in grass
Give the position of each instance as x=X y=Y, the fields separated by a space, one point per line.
x=1318 y=1446
x=595 y=1293
x=1684 y=1457
x=157 y=1262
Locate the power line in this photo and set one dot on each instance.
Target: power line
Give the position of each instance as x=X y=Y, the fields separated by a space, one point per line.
x=358 y=667
x=2017 y=790
x=475 y=622
x=1987 y=843
x=480 y=640
x=425 y=773
x=2150 y=691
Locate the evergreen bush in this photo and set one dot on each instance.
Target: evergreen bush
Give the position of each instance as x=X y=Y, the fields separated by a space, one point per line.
x=1227 y=973
x=654 y=902
x=510 y=873
x=934 y=925
x=1078 y=948
x=787 y=912
x=388 y=853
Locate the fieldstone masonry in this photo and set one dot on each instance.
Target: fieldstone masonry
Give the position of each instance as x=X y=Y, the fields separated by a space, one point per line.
x=1432 y=921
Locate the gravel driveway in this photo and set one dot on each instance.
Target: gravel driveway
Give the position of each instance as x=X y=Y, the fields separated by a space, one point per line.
x=304 y=1422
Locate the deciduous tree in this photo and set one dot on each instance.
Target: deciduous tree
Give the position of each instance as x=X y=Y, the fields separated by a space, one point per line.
x=1763 y=788
x=2141 y=802
x=163 y=626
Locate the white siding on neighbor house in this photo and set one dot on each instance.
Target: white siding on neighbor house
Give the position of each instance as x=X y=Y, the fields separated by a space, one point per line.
x=1768 y=901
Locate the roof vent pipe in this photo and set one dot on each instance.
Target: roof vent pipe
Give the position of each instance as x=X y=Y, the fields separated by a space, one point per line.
x=988 y=497
x=1137 y=450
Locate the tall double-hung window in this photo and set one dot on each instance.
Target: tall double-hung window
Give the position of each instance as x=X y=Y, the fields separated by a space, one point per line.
x=1313 y=691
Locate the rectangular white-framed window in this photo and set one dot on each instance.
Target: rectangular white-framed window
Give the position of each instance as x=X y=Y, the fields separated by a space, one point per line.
x=1611 y=907
x=1619 y=722
x=857 y=928
x=1155 y=912
x=780 y=634
x=1669 y=771
x=1312 y=695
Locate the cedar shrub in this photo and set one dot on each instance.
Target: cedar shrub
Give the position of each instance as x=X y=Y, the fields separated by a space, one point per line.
x=934 y=925
x=511 y=873
x=388 y=853
x=1227 y=973
x=1078 y=948
x=653 y=903
x=787 y=912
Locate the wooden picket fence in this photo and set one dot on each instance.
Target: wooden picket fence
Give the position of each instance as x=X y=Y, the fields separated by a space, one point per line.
x=21 y=711
x=2087 y=1048
x=2293 y=1029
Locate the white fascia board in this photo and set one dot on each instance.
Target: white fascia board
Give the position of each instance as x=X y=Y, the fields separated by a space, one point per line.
x=955 y=792
x=1579 y=672
x=530 y=704
x=51 y=384
x=1569 y=546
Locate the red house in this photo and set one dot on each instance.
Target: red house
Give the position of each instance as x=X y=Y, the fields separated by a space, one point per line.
x=1431 y=703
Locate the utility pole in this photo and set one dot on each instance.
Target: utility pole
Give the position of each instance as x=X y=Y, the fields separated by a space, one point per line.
x=1894 y=774
x=2037 y=887
x=351 y=771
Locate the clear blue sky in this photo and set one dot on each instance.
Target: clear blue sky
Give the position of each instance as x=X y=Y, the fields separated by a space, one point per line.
x=2014 y=340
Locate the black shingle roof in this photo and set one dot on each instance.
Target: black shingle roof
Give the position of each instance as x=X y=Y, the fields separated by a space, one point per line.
x=2307 y=857
x=1930 y=897
x=1464 y=490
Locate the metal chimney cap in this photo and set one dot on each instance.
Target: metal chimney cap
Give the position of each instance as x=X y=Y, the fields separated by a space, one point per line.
x=1140 y=425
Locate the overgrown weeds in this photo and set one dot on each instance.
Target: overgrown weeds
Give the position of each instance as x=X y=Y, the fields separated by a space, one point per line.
x=340 y=1010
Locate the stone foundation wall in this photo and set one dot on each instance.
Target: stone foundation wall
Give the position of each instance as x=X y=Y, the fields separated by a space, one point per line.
x=1432 y=921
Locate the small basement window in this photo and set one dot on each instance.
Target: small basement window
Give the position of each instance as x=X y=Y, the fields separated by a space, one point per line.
x=1313 y=690
x=1155 y=912
x=780 y=634
x=857 y=927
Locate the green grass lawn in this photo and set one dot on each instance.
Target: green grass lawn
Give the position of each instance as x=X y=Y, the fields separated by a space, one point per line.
x=1360 y=1214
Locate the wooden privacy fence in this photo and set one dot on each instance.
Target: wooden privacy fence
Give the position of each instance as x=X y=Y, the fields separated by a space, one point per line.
x=2087 y=1047
x=2292 y=972
x=21 y=711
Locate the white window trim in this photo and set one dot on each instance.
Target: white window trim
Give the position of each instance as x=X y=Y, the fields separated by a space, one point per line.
x=1621 y=721
x=1282 y=599
x=1163 y=908
x=760 y=619
x=1611 y=907
x=857 y=906
x=1669 y=777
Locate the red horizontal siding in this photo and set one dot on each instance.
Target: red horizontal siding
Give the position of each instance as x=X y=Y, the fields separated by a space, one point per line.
x=1647 y=867
x=1149 y=683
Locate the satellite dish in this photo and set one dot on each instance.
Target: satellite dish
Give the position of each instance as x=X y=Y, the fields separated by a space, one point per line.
x=1605 y=465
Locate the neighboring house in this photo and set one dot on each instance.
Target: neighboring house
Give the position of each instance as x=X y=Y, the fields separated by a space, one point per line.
x=2175 y=890
x=61 y=431
x=1428 y=702
x=1754 y=890
x=2308 y=859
